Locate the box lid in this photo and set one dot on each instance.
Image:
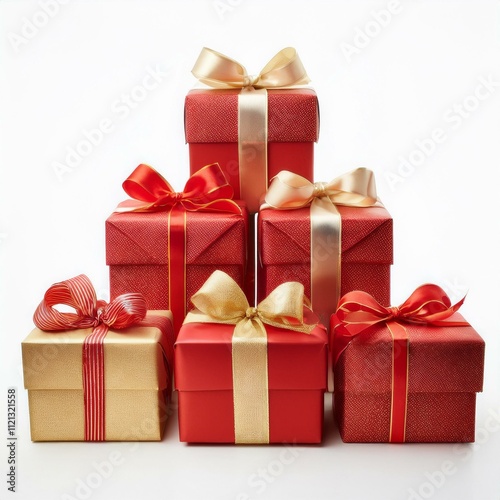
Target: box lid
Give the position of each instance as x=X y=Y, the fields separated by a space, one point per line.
x=212 y=115
x=137 y=357
x=442 y=359
x=204 y=363
x=366 y=236
x=142 y=238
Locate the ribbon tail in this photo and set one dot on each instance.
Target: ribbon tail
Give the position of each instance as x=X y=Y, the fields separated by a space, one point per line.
x=252 y=146
x=93 y=384
x=250 y=383
x=326 y=237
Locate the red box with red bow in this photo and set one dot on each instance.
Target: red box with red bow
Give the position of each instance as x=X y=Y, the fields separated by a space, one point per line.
x=405 y=374
x=328 y=246
x=249 y=126
x=166 y=249
x=260 y=385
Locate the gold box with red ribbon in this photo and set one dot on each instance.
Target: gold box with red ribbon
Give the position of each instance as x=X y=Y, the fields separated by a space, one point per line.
x=252 y=126
x=103 y=373
x=250 y=375
x=407 y=373
x=165 y=244
x=331 y=237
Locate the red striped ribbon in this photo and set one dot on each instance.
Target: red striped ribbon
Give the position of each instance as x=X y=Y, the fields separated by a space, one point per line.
x=124 y=311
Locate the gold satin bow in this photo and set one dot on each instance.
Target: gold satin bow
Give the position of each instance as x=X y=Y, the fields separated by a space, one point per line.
x=219 y=71
x=354 y=189
x=291 y=191
x=221 y=300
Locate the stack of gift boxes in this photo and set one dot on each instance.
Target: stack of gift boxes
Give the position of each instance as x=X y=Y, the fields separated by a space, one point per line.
x=246 y=290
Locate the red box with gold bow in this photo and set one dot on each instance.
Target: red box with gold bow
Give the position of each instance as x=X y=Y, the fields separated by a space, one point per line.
x=407 y=373
x=103 y=373
x=253 y=127
x=327 y=237
x=259 y=379
x=167 y=245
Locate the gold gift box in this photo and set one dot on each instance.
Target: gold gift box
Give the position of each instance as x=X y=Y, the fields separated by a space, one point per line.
x=137 y=377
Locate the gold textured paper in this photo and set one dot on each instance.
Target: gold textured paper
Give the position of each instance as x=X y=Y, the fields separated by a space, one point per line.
x=136 y=382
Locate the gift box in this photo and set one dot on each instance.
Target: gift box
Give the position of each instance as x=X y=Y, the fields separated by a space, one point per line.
x=288 y=250
x=136 y=385
x=167 y=254
x=214 y=408
x=222 y=124
x=420 y=388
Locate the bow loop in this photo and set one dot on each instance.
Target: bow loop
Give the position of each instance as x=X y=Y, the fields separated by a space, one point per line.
x=428 y=304
x=284 y=307
x=146 y=184
x=77 y=293
x=219 y=300
x=216 y=70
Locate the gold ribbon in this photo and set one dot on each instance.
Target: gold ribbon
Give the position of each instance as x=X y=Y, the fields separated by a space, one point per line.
x=291 y=191
x=221 y=300
x=218 y=71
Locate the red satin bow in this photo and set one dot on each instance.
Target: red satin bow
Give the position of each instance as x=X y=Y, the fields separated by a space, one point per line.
x=124 y=311
x=206 y=190
x=358 y=311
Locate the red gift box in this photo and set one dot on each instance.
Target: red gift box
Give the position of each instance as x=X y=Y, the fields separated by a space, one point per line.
x=284 y=250
x=281 y=122
x=138 y=251
x=203 y=378
x=444 y=371
x=205 y=373
x=211 y=126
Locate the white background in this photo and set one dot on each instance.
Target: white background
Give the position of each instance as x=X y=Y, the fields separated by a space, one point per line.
x=409 y=79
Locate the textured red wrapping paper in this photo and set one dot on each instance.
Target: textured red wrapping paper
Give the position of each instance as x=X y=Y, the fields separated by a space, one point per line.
x=203 y=377
x=285 y=250
x=137 y=252
x=211 y=127
x=446 y=367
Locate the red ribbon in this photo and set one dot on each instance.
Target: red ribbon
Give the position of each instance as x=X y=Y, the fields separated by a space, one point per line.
x=358 y=312
x=124 y=311
x=205 y=191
